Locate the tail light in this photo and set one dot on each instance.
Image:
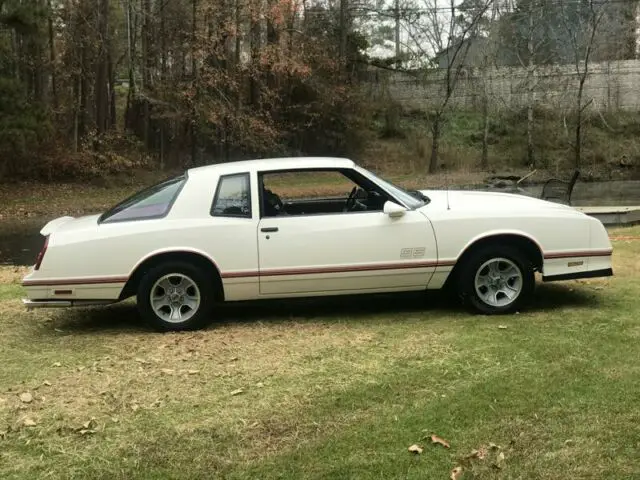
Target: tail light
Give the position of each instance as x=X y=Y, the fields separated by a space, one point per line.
x=42 y=252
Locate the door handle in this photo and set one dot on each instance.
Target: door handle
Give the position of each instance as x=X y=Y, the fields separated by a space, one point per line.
x=269 y=229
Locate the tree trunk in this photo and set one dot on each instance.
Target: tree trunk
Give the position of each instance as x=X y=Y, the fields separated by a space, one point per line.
x=76 y=112
x=578 y=139
x=146 y=70
x=163 y=77
x=194 y=126
x=530 y=91
x=84 y=94
x=52 y=58
x=256 y=46
x=484 y=161
x=101 y=86
x=397 y=31
x=435 y=143
x=111 y=74
x=344 y=11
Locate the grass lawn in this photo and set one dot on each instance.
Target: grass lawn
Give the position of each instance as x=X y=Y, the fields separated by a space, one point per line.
x=329 y=388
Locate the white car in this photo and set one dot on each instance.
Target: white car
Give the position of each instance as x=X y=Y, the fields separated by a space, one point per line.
x=257 y=229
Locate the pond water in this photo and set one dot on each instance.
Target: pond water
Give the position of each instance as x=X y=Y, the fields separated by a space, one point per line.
x=20 y=241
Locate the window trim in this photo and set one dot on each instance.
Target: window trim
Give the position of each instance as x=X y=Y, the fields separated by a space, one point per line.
x=184 y=177
x=340 y=170
x=221 y=178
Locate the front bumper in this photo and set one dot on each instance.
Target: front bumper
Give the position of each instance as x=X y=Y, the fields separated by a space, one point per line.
x=605 y=272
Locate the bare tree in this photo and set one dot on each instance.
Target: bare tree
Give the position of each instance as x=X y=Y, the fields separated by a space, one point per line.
x=582 y=36
x=488 y=60
x=432 y=32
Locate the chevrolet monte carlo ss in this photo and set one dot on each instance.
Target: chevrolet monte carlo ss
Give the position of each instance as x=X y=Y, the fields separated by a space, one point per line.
x=258 y=229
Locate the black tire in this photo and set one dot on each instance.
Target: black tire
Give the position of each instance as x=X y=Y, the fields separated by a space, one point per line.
x=198 y=317
x=466 y=282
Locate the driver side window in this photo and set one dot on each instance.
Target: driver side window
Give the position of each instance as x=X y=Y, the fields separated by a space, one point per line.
x=317 y=192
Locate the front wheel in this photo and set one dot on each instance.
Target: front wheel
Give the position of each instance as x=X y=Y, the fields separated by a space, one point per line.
x=175 y=296
x=496 y=279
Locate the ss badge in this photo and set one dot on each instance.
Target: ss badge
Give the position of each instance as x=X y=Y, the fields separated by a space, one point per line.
x=416 y=252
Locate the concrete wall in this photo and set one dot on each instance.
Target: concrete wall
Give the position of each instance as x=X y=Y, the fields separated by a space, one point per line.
x=610 y=86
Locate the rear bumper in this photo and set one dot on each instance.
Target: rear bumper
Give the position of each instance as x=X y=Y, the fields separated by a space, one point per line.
x=605 y=272
x=63 y=303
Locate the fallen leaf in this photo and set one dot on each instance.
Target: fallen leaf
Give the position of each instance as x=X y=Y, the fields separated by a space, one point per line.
x=88 y=426
x=493 y=446
x=57 y=364
x=26 y=397
x=237 y=392
x=28 y=422
x=479 y=454
x=499 y=463
x=415 y=449
x=440 y=440
x=502 y=327
x=456 y=473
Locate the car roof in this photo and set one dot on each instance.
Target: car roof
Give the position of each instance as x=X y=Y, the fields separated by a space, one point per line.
x=271 y=164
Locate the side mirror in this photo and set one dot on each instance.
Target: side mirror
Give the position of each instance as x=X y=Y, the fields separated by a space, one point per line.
x=393 y=209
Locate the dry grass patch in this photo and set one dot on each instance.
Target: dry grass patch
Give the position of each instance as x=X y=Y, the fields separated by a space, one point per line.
x=328 y=388
x=12 y=274
x=258 y=374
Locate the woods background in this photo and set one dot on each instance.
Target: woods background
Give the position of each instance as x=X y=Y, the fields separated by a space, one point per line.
x=94 y=87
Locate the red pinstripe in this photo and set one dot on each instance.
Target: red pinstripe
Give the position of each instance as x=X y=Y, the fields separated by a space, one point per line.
x=74 y=281
x=583 y=253
x=311 y=271
x=341 y=269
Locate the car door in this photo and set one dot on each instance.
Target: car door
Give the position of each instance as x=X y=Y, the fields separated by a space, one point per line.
x=345 y=252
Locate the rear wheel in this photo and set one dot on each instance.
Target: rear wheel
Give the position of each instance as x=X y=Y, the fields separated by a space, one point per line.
x=496 y=279
x=175 y=296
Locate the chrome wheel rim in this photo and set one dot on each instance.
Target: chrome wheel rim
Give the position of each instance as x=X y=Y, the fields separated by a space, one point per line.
x=498 y=282
x=175 y=298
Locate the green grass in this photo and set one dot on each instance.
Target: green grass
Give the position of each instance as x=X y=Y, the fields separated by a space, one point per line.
x=331 y=388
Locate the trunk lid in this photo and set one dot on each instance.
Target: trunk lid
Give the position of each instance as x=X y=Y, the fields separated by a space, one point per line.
x=67 y=223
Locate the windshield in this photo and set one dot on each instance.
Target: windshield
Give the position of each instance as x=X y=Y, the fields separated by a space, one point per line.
x=153 y=202
x=411 y=199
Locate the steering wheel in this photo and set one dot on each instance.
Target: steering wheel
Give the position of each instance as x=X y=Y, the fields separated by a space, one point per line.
x=274 y=201
x=351 y=200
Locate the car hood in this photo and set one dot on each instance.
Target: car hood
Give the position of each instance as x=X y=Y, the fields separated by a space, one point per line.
x=490 y=202
x=65 y=224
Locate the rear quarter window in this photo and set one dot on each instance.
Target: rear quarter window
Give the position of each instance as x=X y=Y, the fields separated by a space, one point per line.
x=232 y=197
x=152 y=202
